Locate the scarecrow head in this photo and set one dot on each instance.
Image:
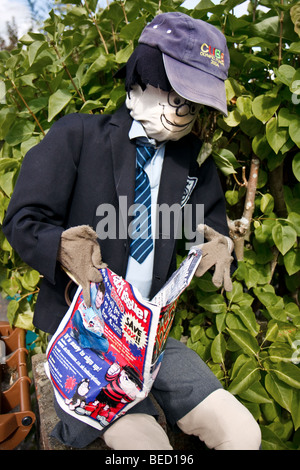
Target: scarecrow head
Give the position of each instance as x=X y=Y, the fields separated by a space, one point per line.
x=179 y=64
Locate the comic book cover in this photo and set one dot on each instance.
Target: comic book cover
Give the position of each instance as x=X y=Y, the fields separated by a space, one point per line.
x=103 y=359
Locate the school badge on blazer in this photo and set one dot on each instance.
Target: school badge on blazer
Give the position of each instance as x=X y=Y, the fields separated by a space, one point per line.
x=189 y=187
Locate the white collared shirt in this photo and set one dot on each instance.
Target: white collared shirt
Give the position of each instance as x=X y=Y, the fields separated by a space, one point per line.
x=140 y=274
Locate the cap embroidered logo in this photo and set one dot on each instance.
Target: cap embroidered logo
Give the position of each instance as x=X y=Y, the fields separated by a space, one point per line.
x=216 y=55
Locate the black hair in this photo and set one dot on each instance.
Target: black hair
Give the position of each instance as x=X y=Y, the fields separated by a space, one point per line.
x=145 y=66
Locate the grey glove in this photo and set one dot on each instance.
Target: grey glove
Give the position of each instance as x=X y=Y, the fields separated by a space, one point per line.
x=79 y=254
x=216 y=252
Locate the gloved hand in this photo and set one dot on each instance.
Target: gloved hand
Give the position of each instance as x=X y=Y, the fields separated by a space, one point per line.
x=216 y=252
x=79 y=254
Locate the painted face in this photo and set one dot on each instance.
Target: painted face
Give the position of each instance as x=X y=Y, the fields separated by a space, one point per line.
x=83 y=388
x=129 y=387
x=164 y=115
x=99 y=299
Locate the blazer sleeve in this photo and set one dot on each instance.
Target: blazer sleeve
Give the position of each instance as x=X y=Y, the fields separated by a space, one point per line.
x=37 y=210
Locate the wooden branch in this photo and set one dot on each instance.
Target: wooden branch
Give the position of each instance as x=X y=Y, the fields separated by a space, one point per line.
x=245 y=182
x=97 y=27
x=239 y=228
x=68 y=72
x=30 y=111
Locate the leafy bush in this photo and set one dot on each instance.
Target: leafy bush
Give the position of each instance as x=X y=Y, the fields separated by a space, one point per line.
x=249 y=337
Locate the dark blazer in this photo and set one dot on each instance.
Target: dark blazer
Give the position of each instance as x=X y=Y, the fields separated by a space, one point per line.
x=85 y=161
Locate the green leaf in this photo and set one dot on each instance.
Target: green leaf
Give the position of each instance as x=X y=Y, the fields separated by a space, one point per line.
x=35 y=48
x=57 y=102
x=123 y=55
x=272 y=302
x=251 y=126
x=260 y=146
x=232 y=197
x=225 y=161
x=29 y=143
x=244 y=106
x=30 y=279
x=12 y=309
x=247 y=375
x=282 y=393
x=37 y=104
x=264 y=107
x=276 y=136
x=247 y=316
x=214 y=303
x=256 y=393
x=233 y=119
x=10 y=286
x=296 y=165
x=7 y=164
x=237 y=294
x=285 y=74
x=240 y=361
x=270 y=441
x=24 y=321
x=99 y=64
x=245 y=340
x=280 y=351
x=7 y=182
x=292 y=261
x=7 y=118
x=284 y=237
x=221 y=321
x=30 y=37
x=294 y=130
x=198 y=347
x=267 y=203
x=133 y=29
x=288 y=373
x=89 y=105
x=295 y=409
x=294 y=220
x=295 y=47
x=218 y=348
x=205 y=283
x=284 y=117
x=272 y=331
x=196 y=333
x=20 y=131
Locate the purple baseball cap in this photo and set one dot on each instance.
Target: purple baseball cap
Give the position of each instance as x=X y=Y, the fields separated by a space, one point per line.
x=195 y=56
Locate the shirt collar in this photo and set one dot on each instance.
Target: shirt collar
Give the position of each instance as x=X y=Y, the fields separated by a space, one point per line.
x=137 y=131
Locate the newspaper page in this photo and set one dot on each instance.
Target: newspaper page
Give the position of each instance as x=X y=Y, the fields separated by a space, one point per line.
x=104 y=359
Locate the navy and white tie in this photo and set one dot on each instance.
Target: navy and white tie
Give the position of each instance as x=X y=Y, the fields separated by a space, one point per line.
x=142 y=243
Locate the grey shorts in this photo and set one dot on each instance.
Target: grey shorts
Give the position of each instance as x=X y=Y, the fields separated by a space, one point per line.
x=183 y=381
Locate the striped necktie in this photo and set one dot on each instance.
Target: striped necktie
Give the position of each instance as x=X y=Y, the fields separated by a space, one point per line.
x=142 y=243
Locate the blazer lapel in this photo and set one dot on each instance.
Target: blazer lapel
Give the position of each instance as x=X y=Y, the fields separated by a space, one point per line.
x=124 y=162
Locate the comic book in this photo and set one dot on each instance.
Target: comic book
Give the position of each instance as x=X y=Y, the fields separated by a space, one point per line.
x=103 y=359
